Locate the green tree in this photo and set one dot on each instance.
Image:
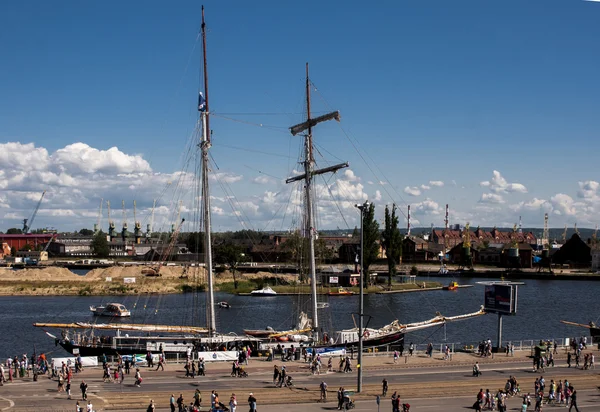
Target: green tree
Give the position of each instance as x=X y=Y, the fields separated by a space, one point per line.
x=322 y=252
x=391 y=240
x=297 y=246
x=371 y=237
x=232 y=255
x=194 y=241
x=100 y=246
x=14 y=231
x=355 y=233
x=86 y=232
x=26 y=248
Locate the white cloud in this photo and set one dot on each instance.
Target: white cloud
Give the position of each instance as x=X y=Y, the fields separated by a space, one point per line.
x=498 y=184
x=263 y=180
x=491 y=198
x=425 y=187
x=563 y=204
x=427 y=206
x=436 y=183
x=377 y=196
x=350 y=176
x=225 y=177
x=412 y=191
x=588 y=189
x=80 y=158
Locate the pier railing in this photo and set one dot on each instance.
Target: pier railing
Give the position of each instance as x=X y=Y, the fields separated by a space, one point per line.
x=438 y=348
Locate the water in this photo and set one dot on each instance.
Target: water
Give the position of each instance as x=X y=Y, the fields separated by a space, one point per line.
x=541 y=305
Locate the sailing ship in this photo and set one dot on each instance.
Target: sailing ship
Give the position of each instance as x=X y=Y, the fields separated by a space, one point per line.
x=594 y=329
x=392 y=333
x=88 y=339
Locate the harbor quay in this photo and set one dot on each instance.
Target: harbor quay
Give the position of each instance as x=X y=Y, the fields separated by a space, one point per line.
x=425 y=382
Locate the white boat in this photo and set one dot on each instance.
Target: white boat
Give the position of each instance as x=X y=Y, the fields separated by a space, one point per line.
x=111 y=309
x=224 y=305
x=266 y=291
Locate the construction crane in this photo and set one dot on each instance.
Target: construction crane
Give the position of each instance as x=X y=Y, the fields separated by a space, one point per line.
x=149 y=226
x=137 y=230
x=467 y=258
x=111 y=223
x=124 y=230
x=26 y=227
x=97 y=226
x=564 y=236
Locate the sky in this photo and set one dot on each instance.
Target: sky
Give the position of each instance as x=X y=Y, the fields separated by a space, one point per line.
x=490 y=107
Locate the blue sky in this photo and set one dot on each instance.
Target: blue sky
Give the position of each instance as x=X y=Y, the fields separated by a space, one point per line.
x=432 y=91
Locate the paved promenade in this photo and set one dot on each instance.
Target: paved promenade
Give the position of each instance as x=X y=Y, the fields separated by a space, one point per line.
x=428 y=384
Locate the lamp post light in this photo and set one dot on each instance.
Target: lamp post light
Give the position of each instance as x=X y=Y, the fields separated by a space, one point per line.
x=362 y=208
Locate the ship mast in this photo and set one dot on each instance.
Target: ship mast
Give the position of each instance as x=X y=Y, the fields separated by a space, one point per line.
x=205 y=146
x=309 y=172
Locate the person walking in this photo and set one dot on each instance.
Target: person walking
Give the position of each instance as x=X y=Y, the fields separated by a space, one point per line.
x=340 y=397
x=252 y=402
x=180 y=403
x=232 y=403
x=151 y=407
x=573 y=399
x=384 y=384
x=172 y=402
x=83 y=387
x=323 y=388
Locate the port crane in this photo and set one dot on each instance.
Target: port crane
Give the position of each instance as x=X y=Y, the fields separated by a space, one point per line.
x=111 y=223
x=26 y=226
x=124 y=230
x=149 y=226
x=97 y=225
x=137 y=226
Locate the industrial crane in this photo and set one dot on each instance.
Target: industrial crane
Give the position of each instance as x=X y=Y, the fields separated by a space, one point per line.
x=150 y=225
x=97 y=226
x=124 y=230
x=137 y=226
x=111 y=223
x=467 y=258
x=32 y=218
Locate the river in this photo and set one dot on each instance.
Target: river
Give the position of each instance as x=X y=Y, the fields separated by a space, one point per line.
x=541 y=305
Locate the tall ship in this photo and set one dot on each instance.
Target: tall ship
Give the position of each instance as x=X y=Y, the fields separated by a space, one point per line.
x=309 y=329
x=96 y=339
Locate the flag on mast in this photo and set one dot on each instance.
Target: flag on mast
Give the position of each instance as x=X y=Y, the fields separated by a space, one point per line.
x=201 y=102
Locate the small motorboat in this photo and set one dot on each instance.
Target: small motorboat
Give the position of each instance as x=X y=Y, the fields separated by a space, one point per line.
x=111 y=309
x=452 y=286
x=322 y=305
x=340 y=292
x=224 y=305
x=266 y=291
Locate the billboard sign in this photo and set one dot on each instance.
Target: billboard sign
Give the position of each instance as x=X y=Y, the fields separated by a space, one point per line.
x=501 y=298
x=333 y=279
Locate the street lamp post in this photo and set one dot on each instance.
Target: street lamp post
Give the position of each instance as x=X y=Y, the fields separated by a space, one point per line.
x=362 y=209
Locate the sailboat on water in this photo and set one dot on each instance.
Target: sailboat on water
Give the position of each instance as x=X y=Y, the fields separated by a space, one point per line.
x=310 y=330
x=93 y=339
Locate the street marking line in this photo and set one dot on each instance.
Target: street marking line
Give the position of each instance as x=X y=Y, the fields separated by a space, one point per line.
x=98 y=396
x=11 y=404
